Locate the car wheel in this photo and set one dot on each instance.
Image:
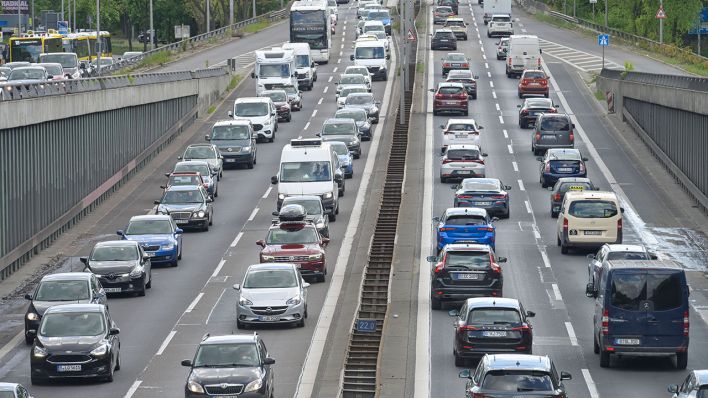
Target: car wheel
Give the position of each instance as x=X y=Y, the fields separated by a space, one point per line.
x=250 y=164
x=564 y=249
x=320 y=278
x=435 y=303
x=141 y=293
x=545 y=95
x=595 y=346
x=357 y=156
x=118 y=361
x=36 y=381
x=272 y=137
x=29 y=339
x=179 y=253
x=174 y=263
x=520 y=95
x=211 y=219
x=109 y=377
x=474 y=96
x=443 y=179
x=216 y=192
x=681 y=360
x=507 y=214
x=149 y=284
x=488 y=35
x=558 y=241
x=554 y=214
x=604 y=359
x=543 y=182
x=206 y=227
x=332 y=217
x=241 y=325
x=255 y=159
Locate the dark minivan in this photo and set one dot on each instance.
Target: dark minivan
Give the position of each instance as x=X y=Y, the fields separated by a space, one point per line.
x=552 y=130
x=641 y=307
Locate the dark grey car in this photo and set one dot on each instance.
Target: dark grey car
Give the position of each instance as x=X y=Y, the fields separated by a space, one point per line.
x=365 y=101
x=188 y=205
x=363 y=122
x=344 y=130
x=121 y=266
x=315 y=211
x=552 y=131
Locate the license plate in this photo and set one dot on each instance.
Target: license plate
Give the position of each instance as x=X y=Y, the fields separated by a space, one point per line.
x=229 y=160
x=464 y=172
x=443 y=41
x=461 y=136
x=482 y=203
x=267 y=318
x=181 y=221
x=533 y=113
x=565 y=169
x=592 y=232
x=225 y=396
x=534 y=84
x=450 y=102
x=472 y=277
x=493 y=333
x=455 y=65
x=627 y=341
x=112 y=289
x=68 y=368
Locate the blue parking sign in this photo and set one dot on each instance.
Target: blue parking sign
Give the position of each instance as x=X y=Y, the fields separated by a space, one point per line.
x=603 y=40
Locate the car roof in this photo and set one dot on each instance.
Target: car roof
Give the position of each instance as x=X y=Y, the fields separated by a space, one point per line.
x=701 y=376
x=296 y=198
x=343 y=75
x=461 y=121
x=444 y=30
x=199 y=145
x=625 y=248
x=284 y=266
x=35 y=66
x=500 y=302
x=8 y=386
x=67 y=276
x=451 y=84
x=360 y=94
x=114 y=243
x=534 y=70
x=574 y=179
x=517 y=361
x=459 y=72
x=555 y=115
x=350 y=109
x=231 y=338
x=63 y=308
x=472 y=247
x=251 y=99
x=645 y=264
x=233 y=122
x=599 y=195
x=463 y=146
x=333 y=120
x=455 y=19
x=358 y=67
x=147 y=217
x=461 y=211
x=197 y=162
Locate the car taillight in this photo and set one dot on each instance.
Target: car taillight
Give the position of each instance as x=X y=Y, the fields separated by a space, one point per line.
x=522 y=328
x=571 y=136
x=487 y=229
x=480 y=161
x=446 y=64
x=619 y=224
x=582 y=167
x=508 y=61
x=438 y=267
x=565 y=226
x=538 y=136
x=463 y=96
x=552 y=110
x=547 y=168
x=605 y=322
x=465 y=65
x=478 y=395
x=465 y=328
x=525 y=81
x=685 y=323
x=557 y=197
x=525 y=112
x=498 y=196
x=439 y=96
x=496 y=268
x=444 y=229
x=544 y=82
x=446 y=161
x=464 y=196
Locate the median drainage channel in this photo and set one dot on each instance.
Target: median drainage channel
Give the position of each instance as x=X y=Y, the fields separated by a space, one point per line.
x=362 y=356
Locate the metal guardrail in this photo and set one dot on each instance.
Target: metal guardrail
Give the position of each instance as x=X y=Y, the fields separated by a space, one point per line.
x=675 y=81
x=563 y=16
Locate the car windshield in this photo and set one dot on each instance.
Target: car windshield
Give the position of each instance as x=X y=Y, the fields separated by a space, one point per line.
x=313 y=207
x=353 y=79
x=251 y=109
x=270 y=279
x=203 y=169
x=632 y=290
x=114 y=253
x=493 y=316
x=66 y=60
x=484 y=186
x=574 y=186
x=622 y=255
x=450 y=90
x=470 y=260
x=149 y=227
x=463 y=154
x=339 y=148
x=199 y=152
x=517 y=381
x=359 y=100
x=72 y=324
x=305 y=171
x=555 y=124
x=370 y=52
x=184 y=180
x=339 y=129
x=349 y=90
x=593 y=209
x=302 y=61
x=62 y=291
x=467 y=219
x=227 y=355
x=54 y=70
x=278 y=70
x=534 y=75
x=278 y=97
x=26 y=74
x=230 y=133
x=7 y=394
x=284 y=236
x=182 y=197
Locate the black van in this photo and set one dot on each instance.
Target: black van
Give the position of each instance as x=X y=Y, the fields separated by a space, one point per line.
x=641 y=307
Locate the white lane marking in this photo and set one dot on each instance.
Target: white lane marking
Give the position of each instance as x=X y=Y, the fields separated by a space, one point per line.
x=501 y=120
x=133 y=388
x=342 y=44
x=494 y=94
x=166 y=342
x=236 y=239
x=314 y=113
x=486 y=65
x=320 y=101
x=218 y=268
x=335 y=69
x=590 y=383
x=516 y=166
x=556 y=292
x=268 y=191
x=497 y=106
x=253 y=214
x=536 y=234
x=544 y=257
x=523 y=30
x=484 y=56
x=214 y=306
x=480 y=42
x=340 y=54
x=482 y=50
x=506 y=135
x=528 y=207
x=521 y=185
x=489 y=74
x=339 y=61
x=571 y=334
x=194 y=302
x=330 y=79
x=325 y=90
x=14 y=342
x=491 y=84
x=308 y=375
x=307 y=125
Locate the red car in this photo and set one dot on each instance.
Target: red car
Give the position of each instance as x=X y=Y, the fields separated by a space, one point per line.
x=533 y=81
x=450 y=97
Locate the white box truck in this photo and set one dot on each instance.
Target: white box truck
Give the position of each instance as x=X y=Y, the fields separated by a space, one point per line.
x=496 y=7
x=524 y=53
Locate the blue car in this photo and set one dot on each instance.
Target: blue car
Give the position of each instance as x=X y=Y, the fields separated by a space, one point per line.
x=561 y=163
x=484 y=193
x=346 y=160
x=465 y=225
x=158 y=236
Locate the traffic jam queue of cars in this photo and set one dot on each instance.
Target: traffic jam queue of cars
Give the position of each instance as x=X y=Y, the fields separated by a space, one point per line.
x=68 y=323
x=627 y=282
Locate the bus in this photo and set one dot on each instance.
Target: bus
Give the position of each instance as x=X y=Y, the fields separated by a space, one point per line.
x=310 y=23
x=83 y=43
x=28 y=47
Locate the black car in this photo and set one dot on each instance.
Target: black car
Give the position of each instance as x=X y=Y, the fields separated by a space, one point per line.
x=515 y=375
x=189 y=206
x=315 y=211
x=236 y=141
x=363 y=122
x=365 y=101
x=75 y=341
x=491 y=325
x=61 y=288
x=443 y=39
x=486 y=193
x=532 y=107
x=229 y=366
x=464 y=270
x=121 y=266
x=467 y=79
x=566 y=184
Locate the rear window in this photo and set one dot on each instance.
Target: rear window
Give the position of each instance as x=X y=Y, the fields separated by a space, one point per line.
x=444 y=35
x=574 y=186
x=662 y=290
x=463 y=154
x=450 y=90
x=493 y=316
x=517 y=381
x=460 y=127
x=555 y=123
x=465 y=220
x=534 y=75
x=592 y=209
x=627 y=256
x=469 y=260
x=501 y=19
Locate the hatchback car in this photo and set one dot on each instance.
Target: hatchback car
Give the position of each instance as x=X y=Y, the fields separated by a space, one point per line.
x=533 y=82
x=364 y=101
x=121 y=266
x=458 y=26
x=532 y=108
x=440 y=14
x=486 y=193
x=294 y=95
x=229 y=366
x=552 y=131
x=75 y=341
x=464 y=270
x=344 y=93
x=208 y=153
x=363 y=123
x=465 y=225
x=159 y=237
x=502 y=48
x=60 y=288
x=281 y=102
x=443 y=39
x=462 y=161
x=346 y=160
x=558 y=163
x=568 y=184
x=236 y=141
x=271 y=293
x=454 y=61
x=189 y=206
x=466 y=78
x=353 y=79
x=695 y=385
x=343 y=130
x=314 y=209
x=509 y=375
x=491 y=325
x=460 y=131
x=208 y=174
x=450 y=97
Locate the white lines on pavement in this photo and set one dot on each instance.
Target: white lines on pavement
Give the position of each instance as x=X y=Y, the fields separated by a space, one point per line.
x=590 y=383
x=521 y=185
x=556 y=292
x=253 y=214
x=166 y=342
x=325 y=90
x=484 y=56
x=489 y=74
x=335 y=69
x=218 y=267
x=515 y=165
x=342 y=47
x=528 y=207
x=544 y=257
x=133 y=388
x=480 y=42
x=236 y=239
x=14 y=342
x=506 y=135
x=482 y=50
x=330 y=79
x=267 y=192
x=314 y=113
x=194 y=302
x=339 y=61
x=497 y=106
x=214 y=307
x=571 y=334
x=307 y=125
x=340 y=54
x=523 y=30
x=320 y=101
x=494 y=94
x=501 y=120
x=486 y=65
x=536 y=234
x=510 y=149
x=491 y=84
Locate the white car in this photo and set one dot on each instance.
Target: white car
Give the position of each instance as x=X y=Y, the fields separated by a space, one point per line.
x=462 y=161
x=380 y=36
x=362 y=6
x=359 y=70
x=342 y=95
x=460 y=131
x=346 y=80
x=262 y=114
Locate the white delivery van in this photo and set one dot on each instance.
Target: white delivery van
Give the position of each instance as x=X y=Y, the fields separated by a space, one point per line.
x=373 y=55
x=496 y=7
x=589 y=219
x=304 y=65
x=261 y=112
x=524 y=53
x=274 y=67
x=309 y=166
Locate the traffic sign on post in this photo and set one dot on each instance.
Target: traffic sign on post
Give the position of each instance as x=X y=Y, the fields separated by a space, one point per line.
x=411 y=35
x=603 y=40
x=661 y=14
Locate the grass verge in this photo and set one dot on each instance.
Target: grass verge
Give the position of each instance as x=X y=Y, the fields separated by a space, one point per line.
x=253 y=28
x=599 y=95
x=211 y=109
x=234 y=82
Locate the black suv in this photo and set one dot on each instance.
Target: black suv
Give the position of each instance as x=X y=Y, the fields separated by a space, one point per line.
x=230 y=365
x=443 y=39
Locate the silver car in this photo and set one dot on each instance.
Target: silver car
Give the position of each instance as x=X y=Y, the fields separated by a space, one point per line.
x=13 y=390
x=695 y=385
x=271 y=293
x=208 y=153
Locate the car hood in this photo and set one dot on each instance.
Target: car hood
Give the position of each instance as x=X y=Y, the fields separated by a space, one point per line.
x=239 y=375
x=41 y=306
x=75 y=344
x=157 y=239
x=344 y=159
x=269 y=297
x=212 y=162
x=171 y=208
x=110 y=267
x=292 y=249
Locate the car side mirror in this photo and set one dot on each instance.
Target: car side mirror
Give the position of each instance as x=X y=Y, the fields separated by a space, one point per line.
x=231 y=114
x=432 y=90
x=590 y=290
x=157 y=202
x=114 y=331
x=476 y=77
x=530 y=314
x=566 y=376
x=209 y=200
x=187 y=363
x=485 y=154
x=590 y=256
x=120 y=232
x=305 y=285
x=518 y=106
x=431 y=259
x=507 y=187
x=268 y=361
x=540 y=159
x=465 y=374
x=388 y=56
x=275 y=213
x=207 y=137
x=572 y=125
x=556 y=106
x=312 y=65
x=622 y=210
x=501 y=259
x=495 y=219
x=585 y=159
x=672 y=388
x=237 y=286
x=318 y=134
x=253 y=75
x=453 y=313
x=455 y=187
x=179 y=231
x=84 y=260
x=163 y=186
x=653 y=256
x=480 y=127
x=179 y=157
x=28 y=296
x=325 y=241
x=351 y=57
x=261 y=243
x=436 y=219
x=338 y=177
x=274 y=180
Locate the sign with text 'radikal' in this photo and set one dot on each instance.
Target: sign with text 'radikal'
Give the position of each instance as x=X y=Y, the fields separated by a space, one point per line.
x=10 y=6
x=603 y=40
x=661 y=14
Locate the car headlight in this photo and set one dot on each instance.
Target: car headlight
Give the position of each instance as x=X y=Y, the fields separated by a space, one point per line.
x=313 y=257
x=353 y=142
x=281 y=196
x=168 y=246
x=294 y=301
x=244 y=301
x=255 y=385
x=267 y=122
x=137 y=272
x=195 y=387
x=100 y=350
x=327 y=195
x=199 y=214
x=320 y=224
x=39 y=352
x=268 y=258
x=245 y=149
x=31 y=316
x=374 y=110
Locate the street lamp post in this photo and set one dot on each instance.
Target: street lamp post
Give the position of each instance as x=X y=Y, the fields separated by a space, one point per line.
x=254 y=8
x=661 y=23
x=606 y=13
x=208 y=16
x=98 y=37
x=152 y=29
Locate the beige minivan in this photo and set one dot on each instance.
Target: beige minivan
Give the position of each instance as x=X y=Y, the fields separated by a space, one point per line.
x=589 y=219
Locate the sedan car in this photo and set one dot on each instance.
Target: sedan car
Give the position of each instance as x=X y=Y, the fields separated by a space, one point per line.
x=502 y=48
x=281 y=102
x=466 y=78
x=359 y=70
x=60 y=288
x=460 y=131
x=343 y=130
x=486 y=193
x=450 y=97
x=121 y=266
x=558 y=163
x=204 y=168
x=159 y=237
x=313 y=207
x=363 y=123
x=464 y=270
x=509 y=375
x=443 y=39
x=13 y=390
x=567 y=184
x=695 y=385
x=440 y=14
x=465 y=225
x=55 y=72
x=207 y=153
x=366 y=102
x=271 y=293
x=458 y=26
x=189 y=206
x=532 y=108
x=491 y=325
x=190 y=178
x=75 y=341
x=344 y=93
x=533 y=81
x=352 y=79
x=462 y=161
x=454 y=61
x=229 y=366
x=28 y=75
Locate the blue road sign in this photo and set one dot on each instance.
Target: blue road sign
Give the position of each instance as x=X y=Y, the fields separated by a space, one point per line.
x=603 y=40
x=63 y=27
x=366 y=325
